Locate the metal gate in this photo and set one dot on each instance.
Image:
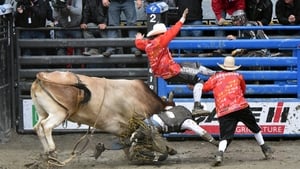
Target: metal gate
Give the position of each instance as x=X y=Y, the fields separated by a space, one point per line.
x=6 y=114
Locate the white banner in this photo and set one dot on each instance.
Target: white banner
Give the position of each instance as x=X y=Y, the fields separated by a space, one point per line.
x=275 y=118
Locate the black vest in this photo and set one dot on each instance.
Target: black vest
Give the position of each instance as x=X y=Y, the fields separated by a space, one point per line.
x=174 y=118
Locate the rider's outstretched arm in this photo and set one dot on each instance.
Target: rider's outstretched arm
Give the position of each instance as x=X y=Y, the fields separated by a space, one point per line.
x=206 y=71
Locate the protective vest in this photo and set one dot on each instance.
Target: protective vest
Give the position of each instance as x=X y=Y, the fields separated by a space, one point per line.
x=174 y=118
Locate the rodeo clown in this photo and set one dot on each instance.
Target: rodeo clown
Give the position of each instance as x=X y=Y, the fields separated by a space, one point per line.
x=163 y=65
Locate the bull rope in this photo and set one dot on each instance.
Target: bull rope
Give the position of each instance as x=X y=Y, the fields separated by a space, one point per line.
x=56 y=162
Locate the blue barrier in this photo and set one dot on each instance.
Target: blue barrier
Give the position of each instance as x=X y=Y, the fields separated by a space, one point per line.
x=276 y=95
x=291 y=75
x=288 y=44
x=234 y=28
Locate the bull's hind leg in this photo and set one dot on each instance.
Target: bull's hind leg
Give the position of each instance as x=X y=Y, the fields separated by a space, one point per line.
x=50 y=116
x=55 y=118
x=42 y=114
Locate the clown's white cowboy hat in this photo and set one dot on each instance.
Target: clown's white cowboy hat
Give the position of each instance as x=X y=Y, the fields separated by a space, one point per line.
x=229 y=64
x=157 y=29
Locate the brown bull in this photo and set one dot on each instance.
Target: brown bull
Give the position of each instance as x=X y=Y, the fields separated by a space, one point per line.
x=105 y=104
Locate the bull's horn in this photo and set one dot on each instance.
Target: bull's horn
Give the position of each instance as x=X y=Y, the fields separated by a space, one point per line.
x=171 y=96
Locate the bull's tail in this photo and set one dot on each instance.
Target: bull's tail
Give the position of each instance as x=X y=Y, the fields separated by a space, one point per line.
x=86 y=91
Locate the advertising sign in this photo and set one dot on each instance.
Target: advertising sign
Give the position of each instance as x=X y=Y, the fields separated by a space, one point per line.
x=275 y=118
x=30 y=118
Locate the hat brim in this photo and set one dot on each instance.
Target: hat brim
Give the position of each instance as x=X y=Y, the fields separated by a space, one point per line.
x=155 y=32
x=228 y=68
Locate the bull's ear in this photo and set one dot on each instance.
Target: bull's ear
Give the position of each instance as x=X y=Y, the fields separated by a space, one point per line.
x=164 y=98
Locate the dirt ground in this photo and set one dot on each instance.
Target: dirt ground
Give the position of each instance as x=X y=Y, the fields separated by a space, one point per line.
x=24 y=150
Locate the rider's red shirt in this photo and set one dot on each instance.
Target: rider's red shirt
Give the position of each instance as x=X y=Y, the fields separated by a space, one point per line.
x=159 y=56
x=228 y=90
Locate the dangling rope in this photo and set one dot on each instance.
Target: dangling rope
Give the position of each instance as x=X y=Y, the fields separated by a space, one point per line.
x=56 y=162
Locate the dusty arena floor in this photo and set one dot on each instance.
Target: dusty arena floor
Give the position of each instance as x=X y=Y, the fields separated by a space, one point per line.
x=23 y=151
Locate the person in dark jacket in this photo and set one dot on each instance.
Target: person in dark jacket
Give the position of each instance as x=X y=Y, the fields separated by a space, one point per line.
x=68 y=14
x=260 y=11
x=94 y=15
x=288 y=13
x=239 y=18
x=33 y=14
x=195 y=18
x=116 y=8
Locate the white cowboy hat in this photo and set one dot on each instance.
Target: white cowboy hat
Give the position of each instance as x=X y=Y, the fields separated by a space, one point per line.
x=229 y=64
x=157 y=29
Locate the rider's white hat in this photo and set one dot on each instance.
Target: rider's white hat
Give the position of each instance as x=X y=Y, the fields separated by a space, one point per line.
x=229 y=64
x=157 y=29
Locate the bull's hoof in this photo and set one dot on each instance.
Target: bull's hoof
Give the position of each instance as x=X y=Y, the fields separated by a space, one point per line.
x=98 y=150
x=162 y=157
x=171 y=151
x=41 y=162
x=51 y=154
x=33 y=165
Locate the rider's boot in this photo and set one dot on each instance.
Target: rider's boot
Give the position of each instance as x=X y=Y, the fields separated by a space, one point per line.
x=198 y=110
x=218 y=158
x=98 y=150
x=268 y=152
x=210 y=139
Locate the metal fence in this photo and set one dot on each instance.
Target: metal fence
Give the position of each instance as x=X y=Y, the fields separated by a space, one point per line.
x=120 y=65
x=6 y=113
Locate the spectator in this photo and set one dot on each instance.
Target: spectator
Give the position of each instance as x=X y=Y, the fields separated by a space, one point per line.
x=68 y=15
x=288 y=13
x=33 y=14
x=116 y=7
x=95 y=13
x=223 y=7
x=260 y=11
x=228 y=89
x=239 y=19
x=163 y=64
x=194 y=18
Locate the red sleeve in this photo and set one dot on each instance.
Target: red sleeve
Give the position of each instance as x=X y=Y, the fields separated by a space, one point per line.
x=241 y=4
x=243 y=84
x=171 y=33
x=141 y=44
x=217 y=8
x=208 y=85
